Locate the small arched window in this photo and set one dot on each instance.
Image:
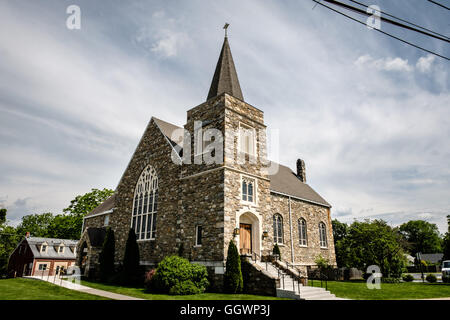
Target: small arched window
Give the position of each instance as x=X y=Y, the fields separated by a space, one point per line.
x=323 y=235
x=145 y=205
x=302 y=232
x=277 y=228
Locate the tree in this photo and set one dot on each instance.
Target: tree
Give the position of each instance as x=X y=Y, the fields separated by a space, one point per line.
x=421 y=236
x=106 y=257
x=84 y=204
x=233 y=281
x=373 y=243
x=446 y=242
x=340 y=230
x=36 y=224
x=8 y=241
x=131 y=268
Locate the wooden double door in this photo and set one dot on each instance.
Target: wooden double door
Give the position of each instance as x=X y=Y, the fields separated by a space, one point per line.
x=245 y=238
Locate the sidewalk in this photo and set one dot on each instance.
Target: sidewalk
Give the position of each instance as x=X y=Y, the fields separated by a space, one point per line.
x=78 y=287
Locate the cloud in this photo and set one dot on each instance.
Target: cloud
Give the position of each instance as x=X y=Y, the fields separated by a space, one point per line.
x=386 y=64
x=424 y=63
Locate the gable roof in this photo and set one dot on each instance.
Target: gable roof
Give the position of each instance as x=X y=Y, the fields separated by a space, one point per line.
x=432 y=257
x=96 y=236
x=225 y=77
x=106 y=205
x=168 y=130
x=286 y=182
x=35 y=244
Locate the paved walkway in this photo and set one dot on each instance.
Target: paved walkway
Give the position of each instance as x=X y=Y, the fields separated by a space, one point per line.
x=78 y=287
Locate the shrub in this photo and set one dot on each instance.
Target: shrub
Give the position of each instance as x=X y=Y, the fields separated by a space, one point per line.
x=431 y=278
x=184 y=288
x=131 y=268
x=408 y=278
x=446 y=279
x=175 y=275
x=106 y=257
x=233 y=281
x=276 y=251
x=390 y=280
x=148 y=279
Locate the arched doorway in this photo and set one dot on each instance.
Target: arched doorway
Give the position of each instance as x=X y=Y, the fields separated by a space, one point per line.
x=249 y=234
x=82 y=258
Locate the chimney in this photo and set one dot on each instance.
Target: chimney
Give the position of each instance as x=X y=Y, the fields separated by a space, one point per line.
x=301 y=171
x=27 y=235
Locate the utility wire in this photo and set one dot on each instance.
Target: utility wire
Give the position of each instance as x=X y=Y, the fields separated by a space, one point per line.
x=437 y=3
x=400 y=19
x=388 y=34
x=398 y=24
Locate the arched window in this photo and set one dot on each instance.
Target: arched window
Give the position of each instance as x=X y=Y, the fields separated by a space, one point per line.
x=145 y=205
x=277 y=228
x=323 y=235
x=302 y=232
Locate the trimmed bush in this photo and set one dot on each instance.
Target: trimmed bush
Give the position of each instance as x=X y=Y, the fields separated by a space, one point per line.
x=131 y=268
x=408 y=278
x=175 y=275
x=276 y=251
x=431 y=278
x=106 y=257
x=185 y=288
x=233 y=281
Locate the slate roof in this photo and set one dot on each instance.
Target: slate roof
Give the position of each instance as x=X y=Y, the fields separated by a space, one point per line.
x=96 y=236
x=106 y=205
x=225 y=77
x=35 y=244
x=285 y=181
x=432 y=257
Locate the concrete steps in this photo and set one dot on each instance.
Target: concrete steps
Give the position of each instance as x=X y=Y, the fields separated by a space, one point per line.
x=290 y=288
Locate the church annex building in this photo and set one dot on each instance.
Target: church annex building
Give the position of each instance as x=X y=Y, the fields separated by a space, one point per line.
x=170 y=197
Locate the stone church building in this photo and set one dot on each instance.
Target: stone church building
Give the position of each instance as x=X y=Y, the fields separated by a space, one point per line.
x=207 y=183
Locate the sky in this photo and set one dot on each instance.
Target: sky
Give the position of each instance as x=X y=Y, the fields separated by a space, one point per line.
x=369 y=115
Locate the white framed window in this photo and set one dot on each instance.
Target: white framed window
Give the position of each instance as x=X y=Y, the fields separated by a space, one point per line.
x=248 y=189
x=247 y=139
x=145 y=205
x=278 y=229
x=323 y=235
x=42 y=267
x=106 y=220
x=61 y=249
x=198 y=235
x=302 y=232
x=44 y=247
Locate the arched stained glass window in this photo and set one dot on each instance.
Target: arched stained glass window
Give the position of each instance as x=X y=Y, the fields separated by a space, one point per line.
x=145 y=205
x=277 y=229
x=323 y=235
x=302 y=232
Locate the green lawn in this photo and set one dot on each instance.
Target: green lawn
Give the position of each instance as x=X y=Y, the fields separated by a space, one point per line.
x=389 y=291
x=139 y=293
x=30 y=289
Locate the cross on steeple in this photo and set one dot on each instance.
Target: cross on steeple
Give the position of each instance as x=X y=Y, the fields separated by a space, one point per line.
x=226 y=27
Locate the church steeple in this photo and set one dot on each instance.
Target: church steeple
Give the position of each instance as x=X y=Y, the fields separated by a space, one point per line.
x=225 y=77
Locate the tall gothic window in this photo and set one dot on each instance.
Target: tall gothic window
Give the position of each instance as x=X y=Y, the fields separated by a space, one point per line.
x=302 y=232
x=277 y=228
x=145 y=205
x=323 y=235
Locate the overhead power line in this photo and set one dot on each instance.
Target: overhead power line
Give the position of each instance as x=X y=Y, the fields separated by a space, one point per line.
x=398 y=24
x=439 y=4
x=400 y=19
x=383 y=32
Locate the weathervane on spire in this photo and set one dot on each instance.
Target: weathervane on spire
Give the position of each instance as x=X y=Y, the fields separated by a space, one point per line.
x=226 y=27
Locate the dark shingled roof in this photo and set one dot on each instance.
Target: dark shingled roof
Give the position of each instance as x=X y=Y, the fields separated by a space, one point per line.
x=285 y=181
x=108 y=204
x=432 y=257
x=96 y=236
x=225 y=77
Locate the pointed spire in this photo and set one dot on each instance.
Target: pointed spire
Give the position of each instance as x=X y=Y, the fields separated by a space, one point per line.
x=225 y=77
